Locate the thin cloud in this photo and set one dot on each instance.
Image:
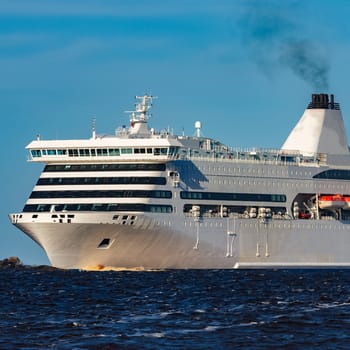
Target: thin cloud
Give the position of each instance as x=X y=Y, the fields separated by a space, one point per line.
x=48 y=47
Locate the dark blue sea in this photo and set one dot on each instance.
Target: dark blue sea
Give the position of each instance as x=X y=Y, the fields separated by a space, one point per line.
x=207 y=309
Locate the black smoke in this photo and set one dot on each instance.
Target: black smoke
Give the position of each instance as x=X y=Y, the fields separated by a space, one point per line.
x=273 y=37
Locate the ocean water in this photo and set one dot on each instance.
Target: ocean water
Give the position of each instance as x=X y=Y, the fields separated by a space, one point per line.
x=206 y=309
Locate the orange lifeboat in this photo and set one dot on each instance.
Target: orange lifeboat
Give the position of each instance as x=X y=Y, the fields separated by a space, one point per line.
x=334 y=201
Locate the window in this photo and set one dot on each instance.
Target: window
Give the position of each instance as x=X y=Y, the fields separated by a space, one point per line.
x=173 y=150
x=126 y=150
x=84 y=152
x=98 y=207
x=139 y=150
x=35 y=153
x=102 y=152
x=73 y=152
x=114 y=152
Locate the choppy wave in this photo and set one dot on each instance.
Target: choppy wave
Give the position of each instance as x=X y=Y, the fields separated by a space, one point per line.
x=193 y=309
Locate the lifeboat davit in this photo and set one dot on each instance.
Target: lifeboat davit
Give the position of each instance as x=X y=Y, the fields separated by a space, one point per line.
x=335 y=201
x=347 y=203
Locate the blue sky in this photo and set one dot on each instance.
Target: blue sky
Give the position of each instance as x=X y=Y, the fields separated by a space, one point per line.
x=246 y=69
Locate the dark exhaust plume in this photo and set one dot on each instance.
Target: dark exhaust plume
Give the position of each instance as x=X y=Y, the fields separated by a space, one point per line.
x=306 y=61
x=272 y=36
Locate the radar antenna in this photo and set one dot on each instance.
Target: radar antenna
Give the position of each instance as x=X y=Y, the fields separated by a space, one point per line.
x=138 y=117
x=141 y=108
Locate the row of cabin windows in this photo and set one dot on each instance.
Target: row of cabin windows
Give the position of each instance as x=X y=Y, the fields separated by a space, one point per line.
x=222 y=196
x=102 y=194
x=336 y=174
x=280 y=171
x=153 y=208
x=132 y=180
x=105 y=167
x=254 y=197
x=310 y=185
x=103 y=152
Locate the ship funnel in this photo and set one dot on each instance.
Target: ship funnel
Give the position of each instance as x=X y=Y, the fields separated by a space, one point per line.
x=320 y=129
x=322 y=101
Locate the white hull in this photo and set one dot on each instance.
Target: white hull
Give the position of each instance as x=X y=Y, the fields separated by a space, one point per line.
x=293 y=243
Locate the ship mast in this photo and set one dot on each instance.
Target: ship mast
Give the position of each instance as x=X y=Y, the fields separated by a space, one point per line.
x=139 y=117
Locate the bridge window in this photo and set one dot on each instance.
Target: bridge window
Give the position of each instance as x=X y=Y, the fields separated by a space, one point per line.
x=114 y=152
x=102 y=152
x=126 y=150
x=35 y=153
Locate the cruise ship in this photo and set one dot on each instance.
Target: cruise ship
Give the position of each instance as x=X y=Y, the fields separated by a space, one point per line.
x=142 y=198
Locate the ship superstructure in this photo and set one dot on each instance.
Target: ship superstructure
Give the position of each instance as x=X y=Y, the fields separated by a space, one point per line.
x=142 y=198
